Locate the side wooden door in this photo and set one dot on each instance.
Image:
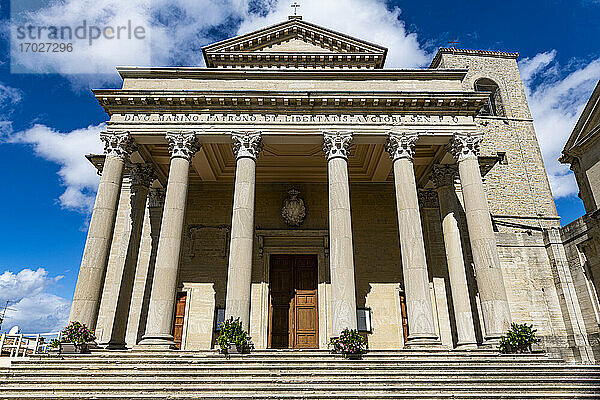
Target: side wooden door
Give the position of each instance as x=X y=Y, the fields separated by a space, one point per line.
x=179 y=318
x=404 y=316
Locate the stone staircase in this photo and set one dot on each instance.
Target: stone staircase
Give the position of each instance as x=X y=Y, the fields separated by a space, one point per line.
x=273 y=374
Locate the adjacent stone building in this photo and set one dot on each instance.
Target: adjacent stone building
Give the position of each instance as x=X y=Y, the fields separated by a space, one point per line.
x=297 y=184
x=582 y=236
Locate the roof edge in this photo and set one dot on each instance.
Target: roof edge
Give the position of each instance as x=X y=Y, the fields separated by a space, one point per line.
x=221 y=73
x=486 y=53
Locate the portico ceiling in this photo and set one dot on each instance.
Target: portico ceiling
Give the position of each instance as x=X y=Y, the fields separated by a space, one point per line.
x=215 y=162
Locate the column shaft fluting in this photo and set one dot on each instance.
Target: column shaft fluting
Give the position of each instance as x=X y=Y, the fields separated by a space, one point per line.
x=88 y=291
x=239 y=275
x=492 y=295
x=421 y=327
x=341 y=253
x=164 y=288
x=443 y=177
x=142 y=176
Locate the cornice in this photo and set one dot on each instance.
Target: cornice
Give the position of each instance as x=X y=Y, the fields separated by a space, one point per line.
x=118 y=101
x=294 y=60
x=471 y=52
x=287 y=74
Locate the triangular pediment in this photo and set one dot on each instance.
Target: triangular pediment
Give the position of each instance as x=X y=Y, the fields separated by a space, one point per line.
x=294 y=43
x=587 y=129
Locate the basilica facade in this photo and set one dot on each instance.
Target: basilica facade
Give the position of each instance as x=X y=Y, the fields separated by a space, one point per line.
x=297 y=184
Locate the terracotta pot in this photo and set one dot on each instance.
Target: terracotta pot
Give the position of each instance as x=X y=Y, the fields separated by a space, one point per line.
x=72 y=348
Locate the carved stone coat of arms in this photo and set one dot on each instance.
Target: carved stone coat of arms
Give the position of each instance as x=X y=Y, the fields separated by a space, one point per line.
x=293 y=210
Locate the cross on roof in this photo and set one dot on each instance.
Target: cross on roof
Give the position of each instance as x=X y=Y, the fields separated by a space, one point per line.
x=453 y=43
x=295 y=7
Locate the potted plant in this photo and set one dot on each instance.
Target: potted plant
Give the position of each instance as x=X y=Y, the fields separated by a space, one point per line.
x=518 y=339
x=74 y=339
x=350 y=343
x=233 y=338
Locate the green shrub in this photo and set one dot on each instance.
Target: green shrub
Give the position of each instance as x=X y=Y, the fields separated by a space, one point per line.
x=518 y=339
x=349 y=342
x=232 y=333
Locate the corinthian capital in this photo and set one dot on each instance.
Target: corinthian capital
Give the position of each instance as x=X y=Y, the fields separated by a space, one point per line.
x=463 y=146
x=182 y=145
x=337 y=144
x=142 y=175
x=401 y=145
x=156 y=197
x=443 y=175
x=247 y=144
x=119 y=145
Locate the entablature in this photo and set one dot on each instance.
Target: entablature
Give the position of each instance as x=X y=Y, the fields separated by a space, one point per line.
x=123 y=101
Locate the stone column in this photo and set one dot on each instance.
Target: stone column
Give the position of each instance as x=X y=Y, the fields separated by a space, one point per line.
x=145 y=269
x=142 y=176
x=341 y=254
x=88 y=291
x=246 y=146
x=494 y=304
x=182 y=147
x=421 y=327
x=443 y=177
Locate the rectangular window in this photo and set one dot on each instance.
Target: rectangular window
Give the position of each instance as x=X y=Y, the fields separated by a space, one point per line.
x=364 y=320
x=220 y=318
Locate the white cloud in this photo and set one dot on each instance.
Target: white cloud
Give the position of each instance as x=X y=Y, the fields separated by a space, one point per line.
x=68 y=150
x=556 y=100
x=176 y=30
x=370 y=20
x=9 y=96
x=32 y=308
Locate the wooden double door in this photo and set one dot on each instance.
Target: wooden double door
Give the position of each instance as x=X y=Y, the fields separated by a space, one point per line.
x=293 y=306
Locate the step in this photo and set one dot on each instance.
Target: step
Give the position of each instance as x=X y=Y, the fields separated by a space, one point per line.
x=314 y=396
x=309 y=386
x=252 y=380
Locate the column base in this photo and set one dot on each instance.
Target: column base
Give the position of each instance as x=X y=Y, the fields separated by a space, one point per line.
x=156 y=343
x=423 y=342
x=466 y=346
x=115 y=345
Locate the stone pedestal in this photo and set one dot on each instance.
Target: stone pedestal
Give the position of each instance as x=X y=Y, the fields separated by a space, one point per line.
x=142 y=176
x=246 y=147
x=414 y=266
x=164 y=287
x=341 y=256
x=443 y=176
x=494 y=304
x=88 y=291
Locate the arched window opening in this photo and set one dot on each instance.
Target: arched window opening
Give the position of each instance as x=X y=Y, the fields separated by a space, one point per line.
x=494 y=105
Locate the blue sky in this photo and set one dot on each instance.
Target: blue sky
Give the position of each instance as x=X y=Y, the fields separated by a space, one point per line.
x=48 y=121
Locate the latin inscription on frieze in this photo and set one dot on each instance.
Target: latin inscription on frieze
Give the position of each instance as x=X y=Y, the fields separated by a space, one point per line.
x=388 y=119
